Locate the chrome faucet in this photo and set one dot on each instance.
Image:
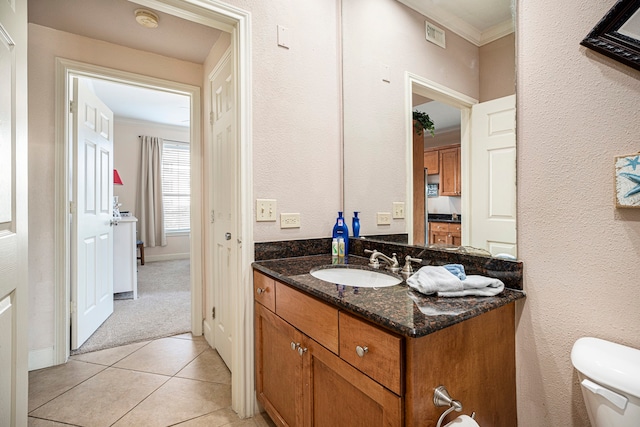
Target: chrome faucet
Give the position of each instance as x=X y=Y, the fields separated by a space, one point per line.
x=392 y=263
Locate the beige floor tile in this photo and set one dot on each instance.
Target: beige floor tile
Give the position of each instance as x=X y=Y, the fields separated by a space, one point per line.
x=165 y=356
x=208 y=366
x=37 y=422
x=263 y=420
x=49 y=383
x=178 y=400
x=222 y=417
x=188 y=336
x=102 y=399
x=111 y=355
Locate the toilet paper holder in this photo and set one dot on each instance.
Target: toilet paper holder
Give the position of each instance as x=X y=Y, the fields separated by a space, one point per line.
x=441 y=397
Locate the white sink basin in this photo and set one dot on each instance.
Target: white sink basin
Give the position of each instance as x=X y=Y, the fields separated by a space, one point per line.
x=356 y=277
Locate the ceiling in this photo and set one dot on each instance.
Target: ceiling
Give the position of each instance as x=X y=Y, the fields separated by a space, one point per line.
x=478 y=21
x=114 y=21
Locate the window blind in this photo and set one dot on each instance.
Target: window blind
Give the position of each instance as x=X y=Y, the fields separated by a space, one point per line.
x=176 y=189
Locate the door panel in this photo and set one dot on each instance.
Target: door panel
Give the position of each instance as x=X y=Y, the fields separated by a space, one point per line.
x=493 y=176
x=92 y=242
x=223 y=233
x=13 y=213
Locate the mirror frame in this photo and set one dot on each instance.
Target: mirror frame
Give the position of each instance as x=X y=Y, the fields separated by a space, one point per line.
x=605 y=38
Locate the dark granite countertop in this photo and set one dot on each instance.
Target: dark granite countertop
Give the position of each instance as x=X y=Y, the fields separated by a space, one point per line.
x=397 y=308
x=444 y=218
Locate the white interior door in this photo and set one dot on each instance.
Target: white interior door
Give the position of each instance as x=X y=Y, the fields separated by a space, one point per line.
x=224 y=234
x=13 y=213
x=92 y=228
x=492 y=218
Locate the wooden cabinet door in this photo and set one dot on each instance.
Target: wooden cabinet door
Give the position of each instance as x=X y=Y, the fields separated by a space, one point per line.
x=431 y=162
x=450 y=172
x=279 y=379
x=340 y=395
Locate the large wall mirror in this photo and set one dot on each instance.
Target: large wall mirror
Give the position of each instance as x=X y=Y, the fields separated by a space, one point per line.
x=465 y=80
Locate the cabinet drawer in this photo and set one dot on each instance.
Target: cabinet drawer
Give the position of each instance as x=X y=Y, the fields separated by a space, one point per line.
x=439 y=226
x=314 y=318
x=264 y=290
x=382 y=359
x=455 y=228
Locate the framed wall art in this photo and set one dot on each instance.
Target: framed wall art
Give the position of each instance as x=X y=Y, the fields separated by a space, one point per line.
x=617 y=35
x=627 y=181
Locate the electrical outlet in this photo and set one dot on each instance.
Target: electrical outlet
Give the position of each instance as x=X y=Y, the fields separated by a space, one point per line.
x=398 y=210
x=289 y=220
x=265 y=210
x=384 y=218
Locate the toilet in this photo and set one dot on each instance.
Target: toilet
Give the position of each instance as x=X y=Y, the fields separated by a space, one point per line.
x=610 y=381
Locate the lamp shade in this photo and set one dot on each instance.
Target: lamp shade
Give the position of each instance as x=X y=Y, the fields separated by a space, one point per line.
x=116 y=178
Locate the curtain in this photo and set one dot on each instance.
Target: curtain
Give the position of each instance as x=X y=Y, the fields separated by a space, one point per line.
x=149 y=206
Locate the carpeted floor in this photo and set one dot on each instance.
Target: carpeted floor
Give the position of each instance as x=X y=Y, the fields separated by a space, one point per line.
x=163 y=308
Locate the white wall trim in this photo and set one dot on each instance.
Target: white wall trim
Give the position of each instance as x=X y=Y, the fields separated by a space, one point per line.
x=440 y=93
x=237 y=22
x=41 y=358
x=64 y=70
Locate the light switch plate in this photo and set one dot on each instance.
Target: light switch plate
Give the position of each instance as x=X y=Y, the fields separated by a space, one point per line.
x=289 y=220
x=384 y=218
x=283 y=37
x=265 y=210
x=398 y=210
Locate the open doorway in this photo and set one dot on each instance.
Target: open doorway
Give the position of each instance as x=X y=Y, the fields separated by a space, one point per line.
x=151 y=277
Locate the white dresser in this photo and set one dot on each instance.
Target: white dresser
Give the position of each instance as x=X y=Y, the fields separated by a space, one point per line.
x=125 y=262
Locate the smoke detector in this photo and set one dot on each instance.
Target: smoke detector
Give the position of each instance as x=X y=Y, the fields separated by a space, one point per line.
x=146 y=18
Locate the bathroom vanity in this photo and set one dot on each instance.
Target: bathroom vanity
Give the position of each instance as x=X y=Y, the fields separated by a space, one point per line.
x=334 y=355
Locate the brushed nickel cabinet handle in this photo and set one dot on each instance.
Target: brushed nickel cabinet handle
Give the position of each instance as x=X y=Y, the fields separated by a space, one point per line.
x=301 y=350
x=294 y=345
x=361 y=351
x=260 y=291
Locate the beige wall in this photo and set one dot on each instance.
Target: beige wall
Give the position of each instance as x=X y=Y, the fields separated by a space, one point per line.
x=126 y=159
x=576 y=111
x=45 y=45
x=296 y=114
x=497 y=68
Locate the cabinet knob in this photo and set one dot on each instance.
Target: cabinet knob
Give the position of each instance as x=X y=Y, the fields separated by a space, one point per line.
x=301 y=350
x=260 y=291
x=361 y=351
x=294 y=345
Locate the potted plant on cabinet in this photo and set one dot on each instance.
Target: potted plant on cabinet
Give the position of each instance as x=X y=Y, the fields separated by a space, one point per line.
x=422 y=122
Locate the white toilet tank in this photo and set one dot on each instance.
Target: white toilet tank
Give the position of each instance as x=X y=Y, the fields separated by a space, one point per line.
x=610 y=380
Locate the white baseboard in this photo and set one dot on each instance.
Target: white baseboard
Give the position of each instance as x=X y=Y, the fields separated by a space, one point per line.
x=166 y=257
x=42 y=358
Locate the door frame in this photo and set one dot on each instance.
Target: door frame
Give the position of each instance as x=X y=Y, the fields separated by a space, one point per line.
x=237 y=22
x=437 y=92
x=65 y=71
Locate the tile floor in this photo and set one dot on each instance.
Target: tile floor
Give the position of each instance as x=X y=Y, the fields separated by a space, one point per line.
x=175 y=381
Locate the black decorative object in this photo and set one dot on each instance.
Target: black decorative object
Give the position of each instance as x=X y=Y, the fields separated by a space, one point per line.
x=617 y=35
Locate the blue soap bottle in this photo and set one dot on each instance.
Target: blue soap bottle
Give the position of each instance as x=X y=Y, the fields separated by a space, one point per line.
x=340 y=230
x=355 y=223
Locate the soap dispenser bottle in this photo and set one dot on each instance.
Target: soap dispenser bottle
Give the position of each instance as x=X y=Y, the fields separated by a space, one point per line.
x=340 y=230
x=355 y=223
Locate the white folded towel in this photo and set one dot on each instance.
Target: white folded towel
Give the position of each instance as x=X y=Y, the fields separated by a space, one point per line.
x=432 y=279
x=481 y=286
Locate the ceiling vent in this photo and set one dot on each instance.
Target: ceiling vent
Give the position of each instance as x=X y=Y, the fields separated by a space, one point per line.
x=435 y=35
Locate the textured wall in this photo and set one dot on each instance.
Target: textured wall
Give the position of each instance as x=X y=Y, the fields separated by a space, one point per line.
x=497 y=68
x=296 y=114
x=576 y=111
